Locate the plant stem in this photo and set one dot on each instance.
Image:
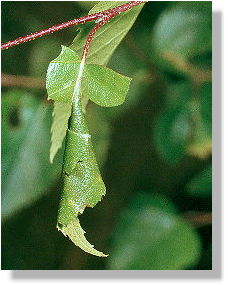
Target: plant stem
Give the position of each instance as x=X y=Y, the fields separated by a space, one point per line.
x=103 y=16
x=22 y=81
x=106 y=17
x=198 y=219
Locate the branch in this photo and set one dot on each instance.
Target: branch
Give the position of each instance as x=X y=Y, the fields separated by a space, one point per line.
x=198 y=219
x=102 y=17
x=197 y=75
x=22 y=81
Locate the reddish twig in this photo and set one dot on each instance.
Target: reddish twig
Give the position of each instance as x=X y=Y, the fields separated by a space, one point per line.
x=90 y=37
x=103 y=16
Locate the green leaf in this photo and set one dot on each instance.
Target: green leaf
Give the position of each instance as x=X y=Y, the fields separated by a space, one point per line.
x=86 y=4
x=152 y=238
x=182 y=32
x=156 y=201
x=26 y=172
x=109 y=36
x=76 y=234
x=41 y=54
x=61 y=76
x=17 y=111
x=139 y=85
x=100 y=130
x=61 y=115
x=102 y=85
x=201 y=184
x=173 y=128
x=83 y=185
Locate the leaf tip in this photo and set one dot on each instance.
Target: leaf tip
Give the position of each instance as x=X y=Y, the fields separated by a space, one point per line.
x=75 y=233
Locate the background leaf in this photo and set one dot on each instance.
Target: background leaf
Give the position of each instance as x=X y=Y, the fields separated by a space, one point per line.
x=27 y=174
x=201 y=184
x=100 y=130
x=182 y=32
x=173 y=127
x=152 y=238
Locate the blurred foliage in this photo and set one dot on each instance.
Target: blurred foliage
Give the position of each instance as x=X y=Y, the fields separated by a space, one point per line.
x=201 y=184
x=182 y=33
x=173 y=127
x=154 y=151
x=26 y=173
x=152 y=236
